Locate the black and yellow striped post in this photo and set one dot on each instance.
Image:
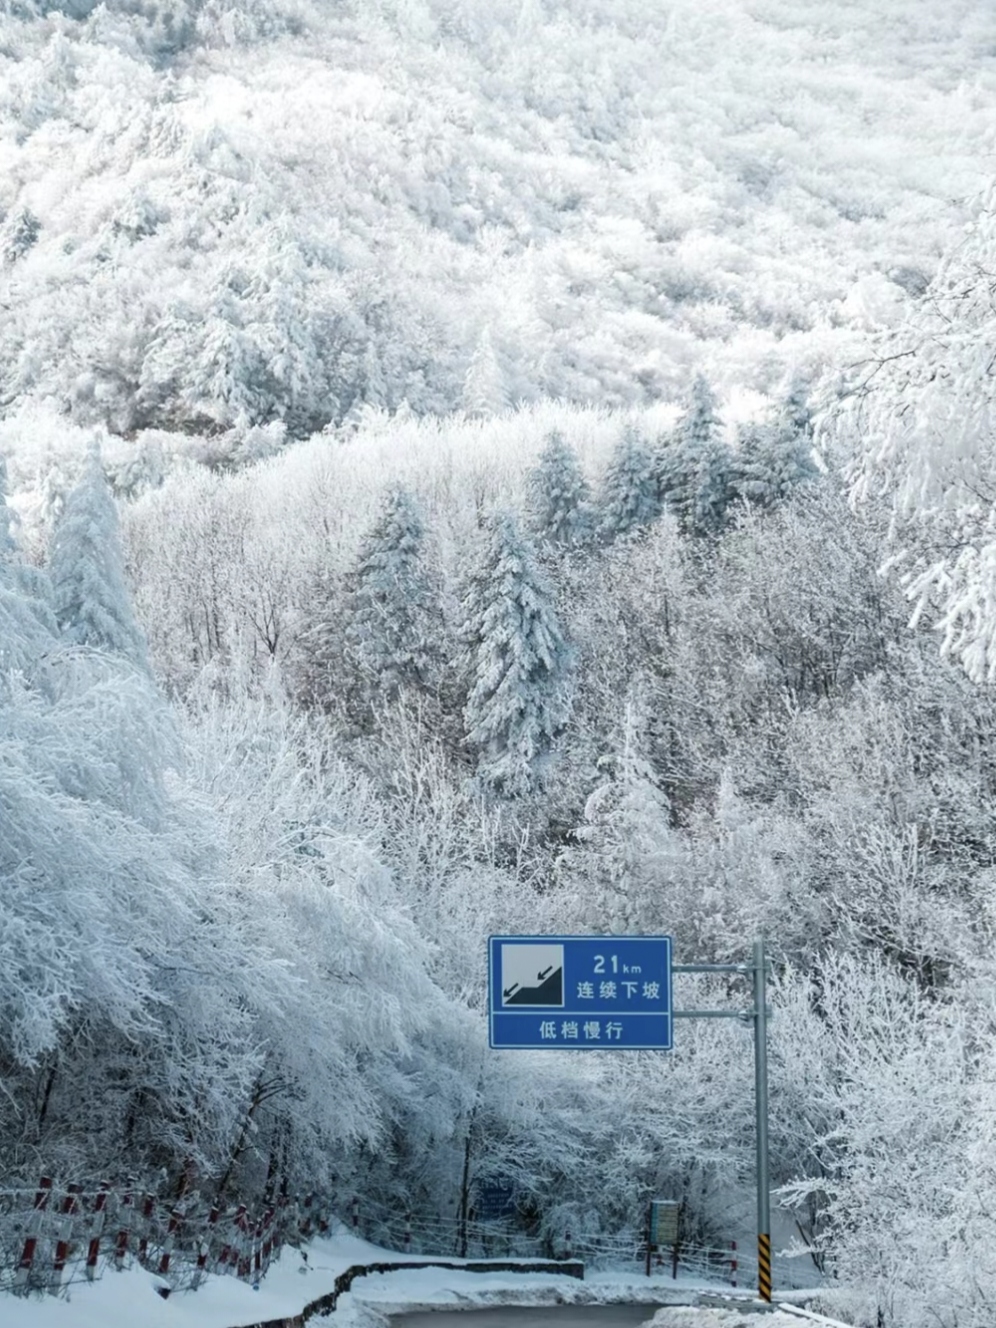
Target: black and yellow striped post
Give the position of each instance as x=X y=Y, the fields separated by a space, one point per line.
x=764 y=1266
x=761 y=1105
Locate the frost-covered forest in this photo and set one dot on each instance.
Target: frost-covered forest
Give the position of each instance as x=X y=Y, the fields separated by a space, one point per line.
x=504 y=467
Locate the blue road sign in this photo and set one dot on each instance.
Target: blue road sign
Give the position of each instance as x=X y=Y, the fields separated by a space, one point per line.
x=570 y=993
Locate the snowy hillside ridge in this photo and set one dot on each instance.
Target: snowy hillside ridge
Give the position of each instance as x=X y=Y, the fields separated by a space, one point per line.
x=218 y=217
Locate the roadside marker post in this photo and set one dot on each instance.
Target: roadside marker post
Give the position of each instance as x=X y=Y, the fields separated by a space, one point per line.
x=567 y=993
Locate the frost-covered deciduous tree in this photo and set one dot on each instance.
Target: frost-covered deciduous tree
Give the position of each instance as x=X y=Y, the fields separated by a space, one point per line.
x=121 y=1003
x=518 y=664
x=918 y=417
x=795 y=609
x=628 y=499
x=92 y=603
x=894 y=1125
x=559 y=496
x=301 y=837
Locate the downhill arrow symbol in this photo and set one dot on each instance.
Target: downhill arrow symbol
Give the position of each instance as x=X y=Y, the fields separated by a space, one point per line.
x=545 y=973
x=509 y=990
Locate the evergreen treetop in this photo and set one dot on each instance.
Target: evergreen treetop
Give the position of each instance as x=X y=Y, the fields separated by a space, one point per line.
x=394 y=602
x=696 y=470
x=92 y=603
x=629 y=495
x=558 y=495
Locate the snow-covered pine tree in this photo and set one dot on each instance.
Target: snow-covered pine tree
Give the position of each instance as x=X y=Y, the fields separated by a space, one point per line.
x=19 y=233
x=627 y=839
x=8 y=544
x=795 y=409
x=696 y=470
x=393 y=613
x=776 y=455
x=519 y=665
x=629 y=493
x=92 y=604
x=484 y=392
x=27 y=626
x=558 y=496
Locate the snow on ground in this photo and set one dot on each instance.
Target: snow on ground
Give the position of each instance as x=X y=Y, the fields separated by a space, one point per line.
x=224 y=1302
x=685 y=1317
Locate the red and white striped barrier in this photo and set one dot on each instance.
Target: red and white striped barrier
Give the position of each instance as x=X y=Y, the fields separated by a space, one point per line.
x=63 y=1237
x=23 y=1274
x=96 y=1229
x=65 y=1233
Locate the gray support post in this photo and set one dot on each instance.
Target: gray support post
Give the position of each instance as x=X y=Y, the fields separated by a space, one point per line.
x=761 y=1105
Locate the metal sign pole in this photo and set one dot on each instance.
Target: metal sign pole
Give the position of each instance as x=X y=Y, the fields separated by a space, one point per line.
x=613 y=993
x=757 y=970
x=761 y=1107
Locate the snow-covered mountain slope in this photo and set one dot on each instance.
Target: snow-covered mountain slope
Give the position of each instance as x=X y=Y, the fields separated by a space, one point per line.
x=218 y=216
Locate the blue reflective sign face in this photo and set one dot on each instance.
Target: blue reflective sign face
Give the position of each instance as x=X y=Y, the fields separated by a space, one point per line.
x=596 y=993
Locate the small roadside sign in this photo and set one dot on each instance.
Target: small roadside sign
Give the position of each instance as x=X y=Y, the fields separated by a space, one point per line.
x=570 y=993
x=663 y=1221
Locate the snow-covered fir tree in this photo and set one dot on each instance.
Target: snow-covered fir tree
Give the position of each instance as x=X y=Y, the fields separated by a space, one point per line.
x=393 y=623
x=626 y=834
x=484 y=391
x=8 y=545
x=771 y=460
x=628 y=498
x=695 y=467
x=27 y=625
x=92 y=603
x=518 y=664
x=775 y=455
x=558 y=496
